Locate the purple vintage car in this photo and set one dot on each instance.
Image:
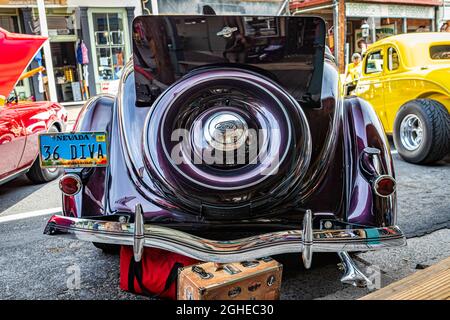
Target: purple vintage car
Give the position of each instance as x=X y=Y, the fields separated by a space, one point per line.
x=229 y=141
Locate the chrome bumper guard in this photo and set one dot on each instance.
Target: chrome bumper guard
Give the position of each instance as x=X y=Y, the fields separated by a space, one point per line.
x=306 y=241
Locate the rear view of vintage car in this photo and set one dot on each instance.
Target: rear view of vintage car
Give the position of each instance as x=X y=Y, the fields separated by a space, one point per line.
x=229 y=141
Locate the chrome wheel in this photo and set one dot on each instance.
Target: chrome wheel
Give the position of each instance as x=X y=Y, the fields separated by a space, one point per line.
x=411 y=132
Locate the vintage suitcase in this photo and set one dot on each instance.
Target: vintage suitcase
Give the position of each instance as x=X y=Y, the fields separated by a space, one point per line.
x=250 y=280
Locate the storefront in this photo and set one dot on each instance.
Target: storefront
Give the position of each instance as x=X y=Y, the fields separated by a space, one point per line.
x=444 y=16
x=384 y=20
x=89 y=45
x=104 y=34
x=64 y=39
x=223 y=7
x=382 y=17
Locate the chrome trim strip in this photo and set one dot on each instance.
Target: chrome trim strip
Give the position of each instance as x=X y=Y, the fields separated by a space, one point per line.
x=307 y=239
x=226 y=251
x=139 y=238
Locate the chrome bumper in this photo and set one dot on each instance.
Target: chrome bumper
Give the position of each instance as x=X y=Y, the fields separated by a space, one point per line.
x=306 y=241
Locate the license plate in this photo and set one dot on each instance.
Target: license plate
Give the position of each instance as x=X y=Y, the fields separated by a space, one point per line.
x=73 y=150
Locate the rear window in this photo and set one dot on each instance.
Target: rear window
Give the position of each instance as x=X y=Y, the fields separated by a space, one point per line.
x=440 y=52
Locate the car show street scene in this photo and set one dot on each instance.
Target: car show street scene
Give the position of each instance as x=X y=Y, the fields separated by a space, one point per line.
x=225 y=150
x=423 y=216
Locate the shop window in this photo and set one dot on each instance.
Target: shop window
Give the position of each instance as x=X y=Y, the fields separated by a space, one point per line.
x=110 y=45
x=374 y=62
x=440 y=52
x=393 y=60
x=9 y=23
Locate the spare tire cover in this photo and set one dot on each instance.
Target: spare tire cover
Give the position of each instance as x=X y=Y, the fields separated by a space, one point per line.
x=226 y=142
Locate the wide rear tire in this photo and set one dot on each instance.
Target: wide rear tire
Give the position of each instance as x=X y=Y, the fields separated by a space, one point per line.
x=422 y=131
x=40 y=175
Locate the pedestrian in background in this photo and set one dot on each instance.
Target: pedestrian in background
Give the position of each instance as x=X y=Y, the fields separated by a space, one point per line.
x=422 y=29
x=362 y=45
x=353 y=73
x=445 y=27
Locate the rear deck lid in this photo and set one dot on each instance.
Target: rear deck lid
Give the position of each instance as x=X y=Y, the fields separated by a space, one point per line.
x=288 y=49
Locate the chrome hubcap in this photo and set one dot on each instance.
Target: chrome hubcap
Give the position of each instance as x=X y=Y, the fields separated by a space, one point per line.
x=411 y=132
x=226 y=131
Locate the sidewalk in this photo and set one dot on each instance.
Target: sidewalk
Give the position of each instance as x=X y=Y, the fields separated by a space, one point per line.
x=433 y=283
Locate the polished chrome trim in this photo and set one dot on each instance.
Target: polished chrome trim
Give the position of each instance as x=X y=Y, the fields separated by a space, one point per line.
x=352 y=274
x=377 y=180
x=225 y=139
x=225 y=251
x=76 y=177
x=374 y=154
x=307 y=239
x=138 y=245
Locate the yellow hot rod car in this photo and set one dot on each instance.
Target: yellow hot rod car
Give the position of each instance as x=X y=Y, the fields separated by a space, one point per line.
x=406 y=78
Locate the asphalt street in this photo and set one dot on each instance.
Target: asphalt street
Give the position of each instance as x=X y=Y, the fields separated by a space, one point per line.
x=36 y=266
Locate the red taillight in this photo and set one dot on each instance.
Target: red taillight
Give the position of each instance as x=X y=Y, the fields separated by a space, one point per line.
x=384 y=185
x=70 y=184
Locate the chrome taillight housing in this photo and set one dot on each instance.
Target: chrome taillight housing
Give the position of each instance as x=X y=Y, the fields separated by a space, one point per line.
x=384 y=185
x=70 y=184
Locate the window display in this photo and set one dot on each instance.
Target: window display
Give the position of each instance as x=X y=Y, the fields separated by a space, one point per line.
x=110 y=45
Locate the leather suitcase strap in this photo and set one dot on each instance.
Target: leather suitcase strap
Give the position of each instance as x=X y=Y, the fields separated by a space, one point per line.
x=135 y=272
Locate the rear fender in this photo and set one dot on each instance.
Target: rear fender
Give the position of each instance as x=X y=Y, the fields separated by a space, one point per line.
x=363 y=129
x=96 y=115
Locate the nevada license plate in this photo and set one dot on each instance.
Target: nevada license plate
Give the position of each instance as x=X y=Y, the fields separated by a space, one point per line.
x=72 y=150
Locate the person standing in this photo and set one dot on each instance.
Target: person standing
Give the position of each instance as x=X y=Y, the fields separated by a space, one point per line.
x=353 y=73
x=362 y=46
x=445 y=27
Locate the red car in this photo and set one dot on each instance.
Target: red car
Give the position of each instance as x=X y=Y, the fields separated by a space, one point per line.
x=21 y=122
